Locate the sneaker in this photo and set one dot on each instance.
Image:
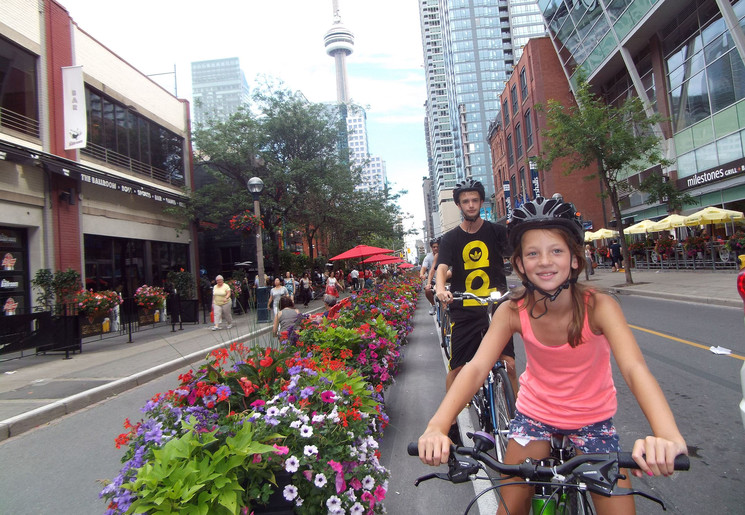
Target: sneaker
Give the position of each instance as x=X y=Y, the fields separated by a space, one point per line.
x=432 y=310
x=230 y=326
x=215 y=328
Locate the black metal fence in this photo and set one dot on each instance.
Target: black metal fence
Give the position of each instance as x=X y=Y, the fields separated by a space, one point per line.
x=65 y=329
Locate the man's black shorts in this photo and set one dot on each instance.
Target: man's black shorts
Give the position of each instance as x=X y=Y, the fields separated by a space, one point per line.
x=469 y=327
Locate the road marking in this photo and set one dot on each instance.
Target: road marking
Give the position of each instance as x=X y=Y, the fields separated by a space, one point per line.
x=487 y=503
x=692 y=344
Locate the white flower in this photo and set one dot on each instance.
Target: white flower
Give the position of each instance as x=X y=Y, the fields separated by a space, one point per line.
x=273 y=411
x=310 y=450
x=284 y=410
x=291 y=465
x=318 y=418
x=357 y=509
x=299 y=501
x=320 y=480
x=372 y=443
x=333 y=503
x=306 y=431
x=290 y=492
x=295 y=424
x=368 y=483
x=350 y=494
x=305 y=418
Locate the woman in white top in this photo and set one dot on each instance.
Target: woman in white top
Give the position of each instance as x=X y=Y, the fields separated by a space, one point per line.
x=275 y=294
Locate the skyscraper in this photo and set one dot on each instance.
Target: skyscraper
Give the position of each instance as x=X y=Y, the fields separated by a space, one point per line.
x=469 y=49
x=219 y=88
x=339 y=42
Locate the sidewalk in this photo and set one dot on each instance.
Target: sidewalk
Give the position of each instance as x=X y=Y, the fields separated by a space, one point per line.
x=35 y=390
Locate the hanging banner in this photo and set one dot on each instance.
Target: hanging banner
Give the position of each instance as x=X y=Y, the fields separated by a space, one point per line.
x=73 y=99
x=507 y=200
x=535 y=182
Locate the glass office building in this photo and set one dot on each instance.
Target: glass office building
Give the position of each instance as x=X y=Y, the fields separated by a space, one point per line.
x=684 y=59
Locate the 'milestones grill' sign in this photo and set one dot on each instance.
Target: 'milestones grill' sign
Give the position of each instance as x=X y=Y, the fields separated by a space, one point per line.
x=712 y=175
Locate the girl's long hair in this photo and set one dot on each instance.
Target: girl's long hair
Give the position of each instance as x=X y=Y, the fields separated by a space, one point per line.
x=576 y=290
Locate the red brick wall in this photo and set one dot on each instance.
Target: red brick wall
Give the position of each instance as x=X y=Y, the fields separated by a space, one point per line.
x=66 y=218
x=546 y=80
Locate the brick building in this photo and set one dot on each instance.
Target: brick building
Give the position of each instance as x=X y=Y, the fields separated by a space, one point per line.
x=97 y=207
x=515 y=137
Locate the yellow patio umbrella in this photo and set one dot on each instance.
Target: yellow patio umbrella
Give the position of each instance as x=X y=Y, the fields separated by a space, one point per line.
x=668 y=223
x=639 y=227
x=713 y=215
x=604 y=233
x=589 y=235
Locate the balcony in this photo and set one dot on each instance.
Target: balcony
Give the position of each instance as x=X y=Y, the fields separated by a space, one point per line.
x=136 y=167
x=17 y=122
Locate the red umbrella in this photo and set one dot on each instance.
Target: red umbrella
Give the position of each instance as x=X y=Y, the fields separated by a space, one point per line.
x=360 y=251
x=405 y=265
x=380 y=257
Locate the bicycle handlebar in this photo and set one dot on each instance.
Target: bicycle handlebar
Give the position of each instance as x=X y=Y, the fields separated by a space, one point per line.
x=533 y=471
x=495 y=297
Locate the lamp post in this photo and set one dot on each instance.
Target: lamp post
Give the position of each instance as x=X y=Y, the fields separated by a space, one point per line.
x=255 y=187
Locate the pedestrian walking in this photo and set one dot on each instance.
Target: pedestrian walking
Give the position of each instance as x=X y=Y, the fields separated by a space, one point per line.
x=221 y=303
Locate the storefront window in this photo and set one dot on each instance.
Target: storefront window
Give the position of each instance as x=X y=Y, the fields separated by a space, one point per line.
x=15 y=296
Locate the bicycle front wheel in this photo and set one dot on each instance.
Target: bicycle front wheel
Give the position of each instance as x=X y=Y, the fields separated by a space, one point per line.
x=503 y=409
x=446 y=328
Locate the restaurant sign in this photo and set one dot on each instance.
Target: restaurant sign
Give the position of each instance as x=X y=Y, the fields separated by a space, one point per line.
x=712 y=175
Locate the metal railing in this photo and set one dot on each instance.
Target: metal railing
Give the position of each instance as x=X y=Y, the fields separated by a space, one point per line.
x=18 y=122
x=133 y=165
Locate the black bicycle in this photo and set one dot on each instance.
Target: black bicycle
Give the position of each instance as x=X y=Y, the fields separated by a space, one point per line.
x=561 y=481
x=494 y=402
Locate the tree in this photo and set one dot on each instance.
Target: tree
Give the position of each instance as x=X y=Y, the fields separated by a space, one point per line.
x=292 y=144
x=660 y=189
x=618 y=140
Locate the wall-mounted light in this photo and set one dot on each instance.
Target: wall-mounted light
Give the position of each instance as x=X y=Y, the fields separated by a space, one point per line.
x=67 y=196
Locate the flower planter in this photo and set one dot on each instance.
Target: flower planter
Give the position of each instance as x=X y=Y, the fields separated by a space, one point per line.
x=189 y=310
x=149 y=316
x=94 y=325
x=277 y=504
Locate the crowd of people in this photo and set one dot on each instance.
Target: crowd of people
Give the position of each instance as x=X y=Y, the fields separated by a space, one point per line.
x=285 y=291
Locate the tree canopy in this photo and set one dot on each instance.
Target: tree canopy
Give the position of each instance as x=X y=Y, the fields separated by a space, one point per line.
x=293 y=146
x=617 y=140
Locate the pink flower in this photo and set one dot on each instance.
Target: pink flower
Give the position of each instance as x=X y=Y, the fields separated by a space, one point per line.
x=281 y=449
x=256 y=458
x=328 y=396
x=355 y=484
x=257 y=403
x=380 y=493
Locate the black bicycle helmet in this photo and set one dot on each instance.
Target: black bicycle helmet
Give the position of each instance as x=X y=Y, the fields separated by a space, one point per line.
x=468 y=185
x=543 y=213
x=434 y=241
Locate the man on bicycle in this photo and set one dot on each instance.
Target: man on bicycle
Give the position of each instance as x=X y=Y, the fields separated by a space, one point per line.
x=474 y=250
x=424 y=272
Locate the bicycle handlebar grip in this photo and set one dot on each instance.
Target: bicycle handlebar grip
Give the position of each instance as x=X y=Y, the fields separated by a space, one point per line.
x=413 y=449
x=626 y=461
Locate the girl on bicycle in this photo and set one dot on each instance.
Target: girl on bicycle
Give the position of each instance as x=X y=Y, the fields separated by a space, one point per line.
x=567 y=387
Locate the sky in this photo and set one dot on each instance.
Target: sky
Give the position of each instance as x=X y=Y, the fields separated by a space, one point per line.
x=284 y=39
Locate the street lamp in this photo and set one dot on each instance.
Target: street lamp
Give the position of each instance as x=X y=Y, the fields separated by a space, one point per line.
x=255 y=187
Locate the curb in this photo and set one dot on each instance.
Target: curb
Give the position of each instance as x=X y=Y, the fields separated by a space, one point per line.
x=677 y=297
x=26 y=421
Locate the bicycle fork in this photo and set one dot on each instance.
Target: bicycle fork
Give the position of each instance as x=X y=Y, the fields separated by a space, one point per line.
x=549 y=500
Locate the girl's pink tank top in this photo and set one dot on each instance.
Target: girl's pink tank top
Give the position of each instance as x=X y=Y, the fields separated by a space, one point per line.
x=566 y=387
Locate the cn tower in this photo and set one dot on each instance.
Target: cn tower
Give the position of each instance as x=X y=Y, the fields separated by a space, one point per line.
x=339 y=42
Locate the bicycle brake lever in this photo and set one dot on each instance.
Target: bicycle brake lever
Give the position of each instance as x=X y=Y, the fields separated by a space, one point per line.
x=630 y=491
x=434 y=475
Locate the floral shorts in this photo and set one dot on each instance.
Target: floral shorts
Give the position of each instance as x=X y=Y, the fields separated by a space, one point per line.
x=600 y=437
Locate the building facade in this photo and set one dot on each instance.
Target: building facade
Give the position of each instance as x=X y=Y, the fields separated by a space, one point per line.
x=515 y=138
x=683 y=59
x=100 y=208
x=219 y=89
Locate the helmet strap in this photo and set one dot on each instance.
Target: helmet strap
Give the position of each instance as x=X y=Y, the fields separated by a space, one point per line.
x=546 y=295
